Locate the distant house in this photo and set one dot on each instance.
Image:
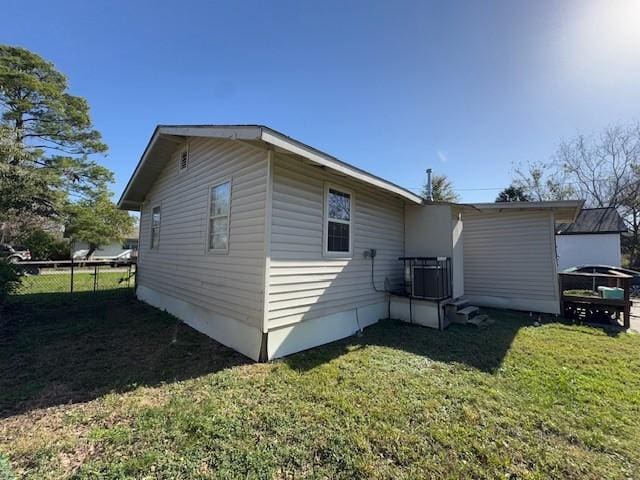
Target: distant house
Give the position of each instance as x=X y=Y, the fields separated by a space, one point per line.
x=124 y=250
x=593 y=239
x=271 y=246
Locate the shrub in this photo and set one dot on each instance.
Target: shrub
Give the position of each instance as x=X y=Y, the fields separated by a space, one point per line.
x=45 y=246
x=9 y=280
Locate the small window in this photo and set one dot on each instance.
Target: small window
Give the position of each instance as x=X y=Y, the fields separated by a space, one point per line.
x=155 y=227
x=183 y=160
x=220 y=200
x=338 y=215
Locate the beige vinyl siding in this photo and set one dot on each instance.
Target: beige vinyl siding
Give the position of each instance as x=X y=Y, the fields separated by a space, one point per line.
x=230 y=284
x=510 y=255
x=304 y=284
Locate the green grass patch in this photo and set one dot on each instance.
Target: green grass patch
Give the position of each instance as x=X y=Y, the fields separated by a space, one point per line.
x=129 y=392
x=48 y=282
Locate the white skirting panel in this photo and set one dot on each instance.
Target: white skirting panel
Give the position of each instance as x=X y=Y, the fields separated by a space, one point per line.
x=420 y=312
x=232 y=333
x=318 y=331
x=524 y=304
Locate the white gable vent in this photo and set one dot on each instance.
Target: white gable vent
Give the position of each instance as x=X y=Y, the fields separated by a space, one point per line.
x=183 y=160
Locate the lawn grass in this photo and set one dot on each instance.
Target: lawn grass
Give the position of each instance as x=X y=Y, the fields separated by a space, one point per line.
x=60 y=282
x=127 y=391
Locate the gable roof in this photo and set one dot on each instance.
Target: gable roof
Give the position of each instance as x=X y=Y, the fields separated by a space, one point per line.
x=594 y=220
x=164 y=139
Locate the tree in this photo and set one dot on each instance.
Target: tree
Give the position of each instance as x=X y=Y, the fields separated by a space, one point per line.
x=442 y=189
x=602 y=167
x=46 y=137
x=20 y=190
x=542 y=181
x=97 y=221
x=630 y=210
x=44 y=245
x=513 y=193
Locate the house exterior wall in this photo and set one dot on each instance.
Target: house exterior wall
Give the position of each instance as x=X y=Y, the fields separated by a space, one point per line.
x=436 y=231
x=314 y=298
x=510 y=260
x=457 y=256
x=221 y=295
x=588 y=249
x=428 y=231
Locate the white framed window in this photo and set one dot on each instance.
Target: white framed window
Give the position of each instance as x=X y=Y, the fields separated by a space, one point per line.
x=155 y=227
x=183 y=159
x=219 y=210
x=338 y=218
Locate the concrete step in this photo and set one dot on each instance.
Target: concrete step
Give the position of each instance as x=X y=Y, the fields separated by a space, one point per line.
x=481 y=321
x=458 y=302
x=452 y=306
x=465 y=314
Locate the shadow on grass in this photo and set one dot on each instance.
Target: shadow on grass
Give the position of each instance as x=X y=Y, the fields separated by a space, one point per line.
x=482 y=349
x=57 y=348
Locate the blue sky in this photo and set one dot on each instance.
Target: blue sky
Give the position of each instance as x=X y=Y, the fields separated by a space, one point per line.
x=467 y=88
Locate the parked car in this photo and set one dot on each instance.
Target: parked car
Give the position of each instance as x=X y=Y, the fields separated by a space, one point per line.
x=635 y=281
x=15 y=253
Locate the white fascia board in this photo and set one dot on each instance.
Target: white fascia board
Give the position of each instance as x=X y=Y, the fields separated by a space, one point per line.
x=241 y=132
x=320 y=158
x=529 y=205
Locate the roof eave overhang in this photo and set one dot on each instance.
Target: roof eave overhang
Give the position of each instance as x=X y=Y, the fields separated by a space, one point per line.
x=565 y=211
x=128 y=201
x=320 y=158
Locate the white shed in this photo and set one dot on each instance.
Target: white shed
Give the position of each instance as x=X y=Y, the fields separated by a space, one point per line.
x=593 y=239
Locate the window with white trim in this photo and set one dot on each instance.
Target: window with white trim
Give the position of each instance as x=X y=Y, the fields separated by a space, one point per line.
x=155 y=227
x=219 y=204
x=338 y=217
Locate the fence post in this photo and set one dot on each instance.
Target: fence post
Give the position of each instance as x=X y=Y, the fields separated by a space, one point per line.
x=95 y=277
x=626 y=314
x=71 y=289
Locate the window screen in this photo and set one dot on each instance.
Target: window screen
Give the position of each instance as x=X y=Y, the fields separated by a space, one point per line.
x=338 y=229
x=155 y=227
x=220 y=199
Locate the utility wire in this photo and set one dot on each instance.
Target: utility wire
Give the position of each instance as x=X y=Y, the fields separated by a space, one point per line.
x=599 y=180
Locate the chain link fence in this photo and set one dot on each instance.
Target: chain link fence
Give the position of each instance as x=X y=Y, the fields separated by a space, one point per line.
x=74 y=279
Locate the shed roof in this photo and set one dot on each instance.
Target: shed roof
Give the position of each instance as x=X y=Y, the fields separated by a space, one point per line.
x=594 y=220
x=564 y=210
x=164 y=139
